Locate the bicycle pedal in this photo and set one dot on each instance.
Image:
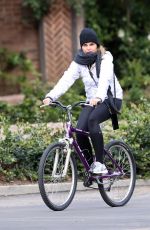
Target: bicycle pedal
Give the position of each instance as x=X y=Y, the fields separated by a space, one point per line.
x=87 y=183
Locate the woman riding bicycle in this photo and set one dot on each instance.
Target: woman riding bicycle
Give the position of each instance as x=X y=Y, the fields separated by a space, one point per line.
x=94 y=65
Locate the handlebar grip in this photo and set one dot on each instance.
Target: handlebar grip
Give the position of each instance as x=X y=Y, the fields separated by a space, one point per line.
x=41 y=106
x=51 y=104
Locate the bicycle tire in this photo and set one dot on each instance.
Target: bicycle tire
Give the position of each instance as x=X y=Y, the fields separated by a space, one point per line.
x=119 y=192
x=57 y=191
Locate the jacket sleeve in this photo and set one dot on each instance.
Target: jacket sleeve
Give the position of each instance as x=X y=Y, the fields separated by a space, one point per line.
x=106 y=76
x=66 y=81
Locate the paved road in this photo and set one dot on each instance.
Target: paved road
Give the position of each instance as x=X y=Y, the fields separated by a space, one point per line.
x=87 y=211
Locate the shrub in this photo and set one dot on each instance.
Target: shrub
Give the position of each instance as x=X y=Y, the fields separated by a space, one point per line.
x=20 y=151
x=29 y=110
x=135 y=131
x=138 y=136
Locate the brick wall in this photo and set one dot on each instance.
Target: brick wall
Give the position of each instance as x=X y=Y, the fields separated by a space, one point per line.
x=49 y=45
x=57 y=27
x=16 y=34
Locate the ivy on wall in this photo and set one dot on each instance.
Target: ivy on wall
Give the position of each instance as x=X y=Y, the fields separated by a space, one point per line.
x=14 y=69
x=38 y=8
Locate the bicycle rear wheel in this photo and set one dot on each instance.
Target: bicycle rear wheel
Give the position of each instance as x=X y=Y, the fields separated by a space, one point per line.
x=56 y=187
x=117 y=191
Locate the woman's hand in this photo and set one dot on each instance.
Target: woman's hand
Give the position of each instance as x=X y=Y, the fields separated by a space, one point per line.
x=95 y=101
x=47 y=101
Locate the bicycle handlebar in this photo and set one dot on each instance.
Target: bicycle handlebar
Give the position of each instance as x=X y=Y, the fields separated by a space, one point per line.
x=64 y=107
x=54 y=103
x=82 y=103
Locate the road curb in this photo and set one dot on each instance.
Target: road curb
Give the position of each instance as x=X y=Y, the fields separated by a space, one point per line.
x=13 y=190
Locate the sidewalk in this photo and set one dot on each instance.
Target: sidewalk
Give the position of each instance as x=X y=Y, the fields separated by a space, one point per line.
x=13 y=190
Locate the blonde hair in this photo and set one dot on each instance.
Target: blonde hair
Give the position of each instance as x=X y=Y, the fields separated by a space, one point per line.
x=102 y=49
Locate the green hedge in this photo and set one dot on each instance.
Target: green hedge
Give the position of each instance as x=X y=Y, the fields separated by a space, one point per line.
x=29 y=110
x=20 y=151
x=135 y=130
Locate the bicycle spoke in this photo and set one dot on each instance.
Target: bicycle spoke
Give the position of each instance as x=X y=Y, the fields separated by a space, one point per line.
x=120 y=188
x=57 y=189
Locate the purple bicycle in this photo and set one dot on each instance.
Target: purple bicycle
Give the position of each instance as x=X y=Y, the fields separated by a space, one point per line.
x=57 y=175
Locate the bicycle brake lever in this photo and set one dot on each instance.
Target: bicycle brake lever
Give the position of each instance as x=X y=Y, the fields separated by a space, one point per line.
x=51 y=104
x=87 y=104
x=41 y=106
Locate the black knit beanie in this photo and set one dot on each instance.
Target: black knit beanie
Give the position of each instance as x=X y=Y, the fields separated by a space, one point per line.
x=88 y=35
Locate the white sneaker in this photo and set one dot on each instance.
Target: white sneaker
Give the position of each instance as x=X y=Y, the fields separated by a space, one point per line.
x=97 y=168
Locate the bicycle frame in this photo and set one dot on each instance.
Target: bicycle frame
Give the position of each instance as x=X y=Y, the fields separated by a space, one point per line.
x=57 y=174
x=70 y=130
x=69 y=139
x=69 y=134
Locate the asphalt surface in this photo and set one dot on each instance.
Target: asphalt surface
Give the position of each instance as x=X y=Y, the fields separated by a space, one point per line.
x=87 y=211
x=11 y=189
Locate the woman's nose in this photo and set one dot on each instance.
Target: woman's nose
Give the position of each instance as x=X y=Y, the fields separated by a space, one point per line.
x=88 y=48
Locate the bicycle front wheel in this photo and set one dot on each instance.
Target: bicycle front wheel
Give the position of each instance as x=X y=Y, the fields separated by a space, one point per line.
x=117 y=190
x=57 y=179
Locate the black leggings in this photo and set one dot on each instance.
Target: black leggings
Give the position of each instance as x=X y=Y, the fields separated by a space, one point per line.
x=89 y=120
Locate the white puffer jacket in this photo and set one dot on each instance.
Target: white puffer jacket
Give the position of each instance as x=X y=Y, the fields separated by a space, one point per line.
x=76 y=71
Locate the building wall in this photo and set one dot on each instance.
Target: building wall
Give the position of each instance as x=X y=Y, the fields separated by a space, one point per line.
x=19 y=35
x=57 y=31
x=16 y=33
x=49 y=44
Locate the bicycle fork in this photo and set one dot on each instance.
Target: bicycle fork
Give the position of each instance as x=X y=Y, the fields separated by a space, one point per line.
x=67 y=152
